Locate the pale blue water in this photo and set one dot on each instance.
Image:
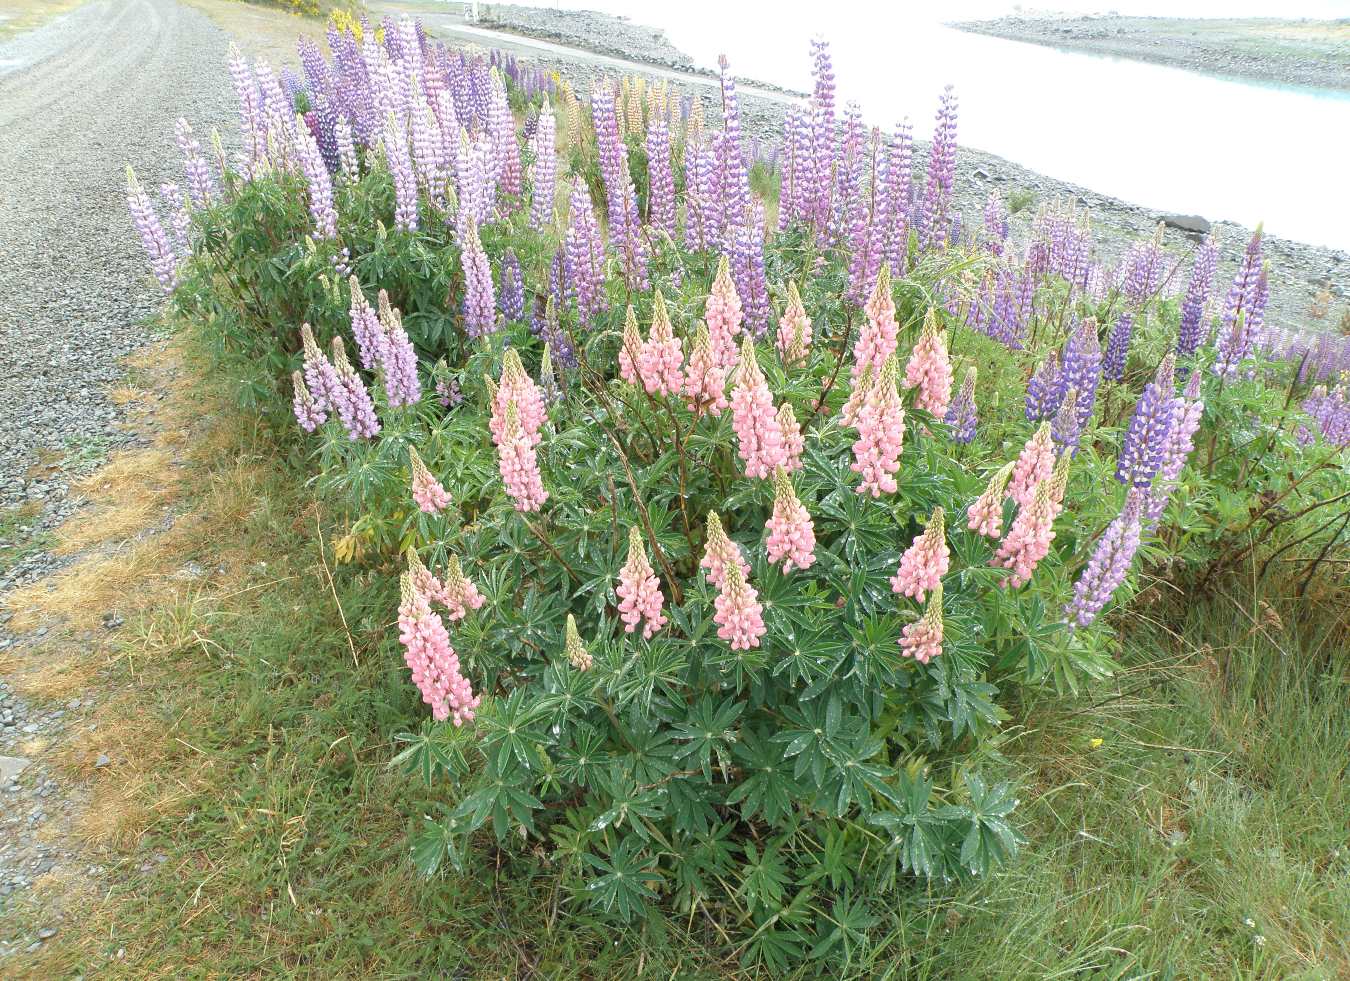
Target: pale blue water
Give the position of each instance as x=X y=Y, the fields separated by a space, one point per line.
x=1160 y=137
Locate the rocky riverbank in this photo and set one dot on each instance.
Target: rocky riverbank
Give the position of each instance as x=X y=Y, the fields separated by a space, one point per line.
x=1283 y=52
x=1299 y=272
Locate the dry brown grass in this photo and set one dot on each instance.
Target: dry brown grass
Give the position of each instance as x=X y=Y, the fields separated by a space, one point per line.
x=17 y=16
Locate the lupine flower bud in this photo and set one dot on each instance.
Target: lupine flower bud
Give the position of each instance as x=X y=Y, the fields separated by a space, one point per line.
x=1109 y=564
x=758 y=434
x=930 y=368
x=630 y=347
x=718 y=551
x=961 y=414
x=792 y=536
x=1034 y=464
x=659 y=357
x=353 y=404
x=705 y=384
x=573 y=647
x=1059 y=483
x=397 y=357
x=739 y=616
x=518 y=464
x=925 y=562
x=639 y=590
x=922 y=640
x=723 y=315
x=1028 y=540
x=460 y=594
x=985 y=516
x=794 y=330
x=877 y=338
x=793 y=442
x=308 y=412
x=1142 y=452
x=427 y=491
x=880 y=421
x=434 y=665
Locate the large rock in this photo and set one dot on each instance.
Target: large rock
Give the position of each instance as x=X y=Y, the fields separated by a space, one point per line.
x=11 y=767
x=1187 y=223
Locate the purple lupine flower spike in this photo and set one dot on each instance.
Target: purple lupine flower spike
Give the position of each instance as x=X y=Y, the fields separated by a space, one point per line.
x=1109 y=565
x=1187 y=410
x=1191 y=331
x=1118 y=348
x=961 y=413
x=1081 y=368
x=401 y=169
x=162 y=258
x=201 y=185
x=511 y=297
x=1044 y=393
x=398 y=359
x=319 y=183
x=747 y=267
x=584 y=256
x=941 y=175
x=1236 y=333
x=1145 y=439
x=1065 y=429
x=661 y=179
x=544 y=170
x=354 y=407
x=480 y=303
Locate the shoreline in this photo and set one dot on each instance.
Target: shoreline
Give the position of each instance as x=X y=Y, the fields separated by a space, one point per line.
x=1266 y=50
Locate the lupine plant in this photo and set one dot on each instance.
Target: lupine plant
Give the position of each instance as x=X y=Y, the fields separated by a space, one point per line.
x=710 y=582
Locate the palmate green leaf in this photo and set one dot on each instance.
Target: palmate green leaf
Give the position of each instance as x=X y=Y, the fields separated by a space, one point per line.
x=916 y=831
x=583 y=755
x=512 y=731
x=766 y=788
x=625 y=880
x=432 y=752
x=654 y=666
x=689 y=803
x=707 y=731
x=764 y=876
x=503 y=798
x=805 y=737
x=628 y=802
x=844 y=929
x=857 y=775
x=991 y=840
x=651 y=755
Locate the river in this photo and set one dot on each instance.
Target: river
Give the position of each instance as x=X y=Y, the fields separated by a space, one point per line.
x=1157 y=136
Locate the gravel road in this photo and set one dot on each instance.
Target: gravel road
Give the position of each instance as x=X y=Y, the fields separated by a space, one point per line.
x=80 y=98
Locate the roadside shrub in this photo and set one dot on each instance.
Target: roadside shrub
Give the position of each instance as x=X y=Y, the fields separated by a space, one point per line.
x=718 y=556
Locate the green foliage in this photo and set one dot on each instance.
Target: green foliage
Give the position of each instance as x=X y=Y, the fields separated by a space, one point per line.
x=792 y=785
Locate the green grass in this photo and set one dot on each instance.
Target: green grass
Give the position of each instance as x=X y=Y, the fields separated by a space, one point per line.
x=18 y=538
x=1203 y=836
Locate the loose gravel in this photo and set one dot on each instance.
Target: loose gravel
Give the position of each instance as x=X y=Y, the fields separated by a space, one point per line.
x=80 y=98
